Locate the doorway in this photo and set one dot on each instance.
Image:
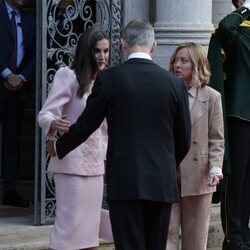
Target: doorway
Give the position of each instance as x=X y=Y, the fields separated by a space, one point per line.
x=27 y=149
x=56 y=48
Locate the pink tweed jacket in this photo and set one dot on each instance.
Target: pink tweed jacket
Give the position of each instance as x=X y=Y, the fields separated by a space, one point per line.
x=88 y=158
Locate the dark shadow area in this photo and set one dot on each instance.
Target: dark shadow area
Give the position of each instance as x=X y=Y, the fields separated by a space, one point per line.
x=27 y=149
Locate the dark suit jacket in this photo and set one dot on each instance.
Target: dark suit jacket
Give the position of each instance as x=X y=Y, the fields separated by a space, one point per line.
x=148 y=127
x=27 y=66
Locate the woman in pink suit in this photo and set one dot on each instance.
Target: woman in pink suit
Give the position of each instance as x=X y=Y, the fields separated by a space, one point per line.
x=79 y=176
x=201 y=169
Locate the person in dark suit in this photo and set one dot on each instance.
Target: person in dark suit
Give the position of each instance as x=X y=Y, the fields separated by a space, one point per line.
x=17 y=66
x=148 y=119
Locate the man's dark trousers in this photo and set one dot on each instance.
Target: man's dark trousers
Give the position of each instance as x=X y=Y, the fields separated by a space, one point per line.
x=127 y=224
x=236 y=205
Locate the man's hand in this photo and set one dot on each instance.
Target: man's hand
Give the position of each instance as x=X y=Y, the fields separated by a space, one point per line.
x=50 y=148
x=60 y=124
x=13 y=82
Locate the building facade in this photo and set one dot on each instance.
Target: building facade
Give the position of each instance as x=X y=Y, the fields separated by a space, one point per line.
x=174 y=22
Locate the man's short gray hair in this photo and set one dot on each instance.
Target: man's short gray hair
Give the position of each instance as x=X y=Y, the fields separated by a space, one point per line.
x=139 y=32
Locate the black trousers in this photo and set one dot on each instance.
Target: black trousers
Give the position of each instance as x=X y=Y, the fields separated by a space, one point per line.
x=11 y=113
x=235 y=208
x=139 y=224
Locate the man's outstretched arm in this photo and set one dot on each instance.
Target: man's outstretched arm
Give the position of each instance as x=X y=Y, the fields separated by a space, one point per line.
x=90 y=119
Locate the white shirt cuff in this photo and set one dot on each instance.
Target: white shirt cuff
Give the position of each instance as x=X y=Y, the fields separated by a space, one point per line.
x=5 y=73
x=55 y=147
x=216 y=171
x=23 y=78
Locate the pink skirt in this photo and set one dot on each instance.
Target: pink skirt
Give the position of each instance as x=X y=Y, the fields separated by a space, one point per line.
x=78 y=201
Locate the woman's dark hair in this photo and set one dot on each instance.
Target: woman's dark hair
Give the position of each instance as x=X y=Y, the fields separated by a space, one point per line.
x=84 y=63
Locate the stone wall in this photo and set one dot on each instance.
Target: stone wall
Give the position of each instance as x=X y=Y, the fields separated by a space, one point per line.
x=220 y=8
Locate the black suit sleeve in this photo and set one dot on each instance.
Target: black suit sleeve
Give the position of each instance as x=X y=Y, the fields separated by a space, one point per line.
x=90 y=119
x=5 y=35
x=182 y=127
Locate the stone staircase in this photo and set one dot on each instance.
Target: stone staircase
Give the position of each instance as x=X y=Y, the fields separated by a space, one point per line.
x=19 y=233
x=215 y=236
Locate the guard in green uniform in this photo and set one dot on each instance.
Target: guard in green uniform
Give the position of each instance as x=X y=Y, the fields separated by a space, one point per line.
x=233 y=35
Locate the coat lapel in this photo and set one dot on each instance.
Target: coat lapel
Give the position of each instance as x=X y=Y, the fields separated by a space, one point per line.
x=4 y=18
x=200 y=105
x=24 y=26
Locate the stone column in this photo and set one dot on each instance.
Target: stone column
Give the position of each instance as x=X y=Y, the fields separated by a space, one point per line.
x=181 y=21
x=220 y=9
x=135 y=9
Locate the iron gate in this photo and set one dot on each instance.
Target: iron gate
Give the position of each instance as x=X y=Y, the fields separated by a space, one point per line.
x=55 y=44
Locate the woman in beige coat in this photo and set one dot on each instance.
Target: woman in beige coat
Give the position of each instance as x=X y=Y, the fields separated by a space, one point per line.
x=201 y=169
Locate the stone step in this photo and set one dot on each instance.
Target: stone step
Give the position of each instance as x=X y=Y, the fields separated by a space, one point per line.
x=106 y=246
x=34 y=246
x=19 y=233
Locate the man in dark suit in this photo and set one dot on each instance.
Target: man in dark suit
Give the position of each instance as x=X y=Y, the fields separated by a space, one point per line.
x=17 y=66
x=149 y=134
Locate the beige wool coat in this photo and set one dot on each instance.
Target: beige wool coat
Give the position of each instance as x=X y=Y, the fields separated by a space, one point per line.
x=207 y=145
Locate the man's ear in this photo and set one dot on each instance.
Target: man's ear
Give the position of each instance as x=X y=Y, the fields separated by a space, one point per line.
x=153 y=47
x=124 y=44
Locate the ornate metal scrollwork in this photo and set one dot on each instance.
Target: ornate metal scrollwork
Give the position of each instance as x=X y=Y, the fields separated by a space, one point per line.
x=117 y=15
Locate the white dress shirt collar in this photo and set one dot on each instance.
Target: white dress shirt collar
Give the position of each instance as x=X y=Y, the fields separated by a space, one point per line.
x=192 y=92
x=10 y=9
x=141 y=55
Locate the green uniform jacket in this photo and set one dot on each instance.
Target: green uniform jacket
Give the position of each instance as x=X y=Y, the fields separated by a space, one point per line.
x=217 y=82
x=235 y=40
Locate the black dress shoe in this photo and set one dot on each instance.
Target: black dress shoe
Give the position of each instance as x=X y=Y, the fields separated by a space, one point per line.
x=245 y=245
x=14 y=199
x=229 y=245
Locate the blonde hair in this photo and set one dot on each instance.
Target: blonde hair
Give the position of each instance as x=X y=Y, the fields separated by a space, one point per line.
x=200 y=66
